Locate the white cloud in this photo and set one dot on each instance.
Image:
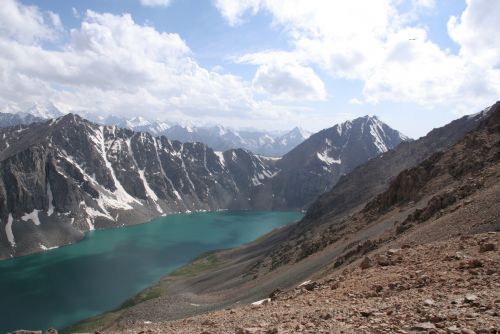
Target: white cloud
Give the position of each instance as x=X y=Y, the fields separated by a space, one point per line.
x=386 y=48
x=476 y=31
x=281 y=77
x=111 y=64
x=233 y=11
x=26 y=24
x=155 y=3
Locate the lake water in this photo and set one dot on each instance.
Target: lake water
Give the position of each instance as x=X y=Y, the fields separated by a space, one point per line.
x=60 y=287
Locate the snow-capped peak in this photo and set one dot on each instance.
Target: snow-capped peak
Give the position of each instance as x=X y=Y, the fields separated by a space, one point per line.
x=46 y=111
x=299 y=132
x=137 y=121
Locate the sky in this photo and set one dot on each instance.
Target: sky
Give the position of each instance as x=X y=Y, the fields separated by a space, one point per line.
x=267 y=64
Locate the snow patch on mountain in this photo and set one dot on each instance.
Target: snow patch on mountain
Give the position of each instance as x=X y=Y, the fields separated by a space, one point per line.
x=323 y=156
x=33 y=216
x=50 y=197
x=8 y=231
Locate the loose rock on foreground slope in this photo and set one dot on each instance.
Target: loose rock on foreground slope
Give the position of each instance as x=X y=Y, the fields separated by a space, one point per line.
x=450 y=286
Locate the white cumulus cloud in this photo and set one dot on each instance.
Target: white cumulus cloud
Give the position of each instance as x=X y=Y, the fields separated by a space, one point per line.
x=283 y=78
x=382 y=44
x=111 y=64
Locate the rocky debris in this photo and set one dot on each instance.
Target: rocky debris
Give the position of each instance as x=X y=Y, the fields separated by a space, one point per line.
x=311 y=286
x=275 y=293
x=23 y=331
x=423 y=292
x=486 y=247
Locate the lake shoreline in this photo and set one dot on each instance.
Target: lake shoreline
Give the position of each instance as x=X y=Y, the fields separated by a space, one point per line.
x=231 y=229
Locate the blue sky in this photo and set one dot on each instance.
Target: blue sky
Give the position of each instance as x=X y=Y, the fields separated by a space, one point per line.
x=417 y=64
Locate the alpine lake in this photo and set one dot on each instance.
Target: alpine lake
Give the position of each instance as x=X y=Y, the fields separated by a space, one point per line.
x=62 y=286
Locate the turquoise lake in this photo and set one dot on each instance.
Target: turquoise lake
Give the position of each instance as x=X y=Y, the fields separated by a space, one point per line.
x=60 y=287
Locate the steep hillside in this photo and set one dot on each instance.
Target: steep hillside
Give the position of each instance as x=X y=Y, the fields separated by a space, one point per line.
x=317 y=164
x=449 y=286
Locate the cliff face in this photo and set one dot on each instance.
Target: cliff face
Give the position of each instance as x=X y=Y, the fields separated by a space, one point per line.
x=66 y=176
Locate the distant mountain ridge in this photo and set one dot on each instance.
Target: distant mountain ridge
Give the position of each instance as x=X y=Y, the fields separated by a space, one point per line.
x=10 y=119
x=218 y=137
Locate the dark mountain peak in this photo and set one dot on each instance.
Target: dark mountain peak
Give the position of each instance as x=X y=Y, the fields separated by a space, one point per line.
x=318 y=163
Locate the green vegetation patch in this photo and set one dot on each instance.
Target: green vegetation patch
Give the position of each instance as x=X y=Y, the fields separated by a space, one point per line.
x=150 y=293
x=205 y=262
x=92 y=324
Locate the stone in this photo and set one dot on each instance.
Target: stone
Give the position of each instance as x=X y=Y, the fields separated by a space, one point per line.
x=383 y=260
x=208 y=323
x=467 y=331
x=486 y=247
x=311 y=286
x=429 y=302
x=366 y=263
x=423 y=326
x=275 y=294
x=366 y=313
x=470 y=298
x=325 y=316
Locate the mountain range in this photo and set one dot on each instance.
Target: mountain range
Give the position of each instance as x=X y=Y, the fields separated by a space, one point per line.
x=68 y=175
x=219 y=138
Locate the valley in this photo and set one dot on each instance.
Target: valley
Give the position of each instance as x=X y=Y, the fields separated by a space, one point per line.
x=249 y=167
x=442 y=208
x=412 y=193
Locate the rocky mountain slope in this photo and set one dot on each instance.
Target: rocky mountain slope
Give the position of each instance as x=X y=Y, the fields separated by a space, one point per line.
x=317 y=164
x=68 y=175
x=444 y=287
x=391 y=248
